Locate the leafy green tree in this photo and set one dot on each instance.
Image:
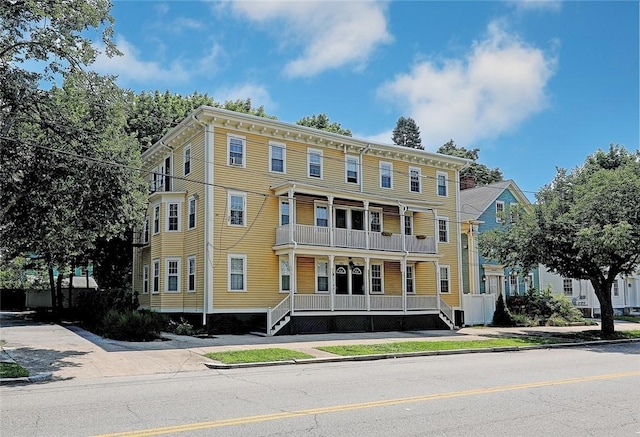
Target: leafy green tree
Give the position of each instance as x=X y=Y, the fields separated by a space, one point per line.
x=407 y=133
x=244 y=106
x=584 y=225
x=479 y=173
x=322 y=122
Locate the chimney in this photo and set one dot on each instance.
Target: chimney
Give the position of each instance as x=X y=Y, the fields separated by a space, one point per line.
x=467 y=182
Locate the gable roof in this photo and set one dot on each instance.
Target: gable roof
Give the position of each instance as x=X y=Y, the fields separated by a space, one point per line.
x=475 y=201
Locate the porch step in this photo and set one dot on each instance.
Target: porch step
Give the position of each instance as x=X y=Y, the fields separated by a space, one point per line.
x=279 y=325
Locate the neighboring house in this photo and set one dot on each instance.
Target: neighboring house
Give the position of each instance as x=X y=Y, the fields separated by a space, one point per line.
x=309 y=230
x=625 y=292
x=483 y=209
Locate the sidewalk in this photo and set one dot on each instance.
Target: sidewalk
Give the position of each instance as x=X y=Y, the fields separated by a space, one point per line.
x=68 y=352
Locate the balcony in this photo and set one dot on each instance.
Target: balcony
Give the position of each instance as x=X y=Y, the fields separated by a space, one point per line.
x=353 y=239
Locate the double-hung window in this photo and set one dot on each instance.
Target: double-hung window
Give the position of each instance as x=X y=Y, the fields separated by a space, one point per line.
x=191 y=273
x=314 y=163
x=277 y=158
x=186 y=158
x=156 y=219
x=567 y=287
x=409 y=280
x=173 y=217
x=285 y=275
x=375 y=220
x=499 y=211
x=237 y=205
x=415 y=178
x=284 y=212
x=408 y=225
x=156 y=276
x=145 y=279
x=322 y=277
x=616 y=290
x=444 y=280
x=321 y=216
x=192 y=212
x=351 y=169
x=513 y=284
x=237 y=272
x=172 y=284
x=441 y=180
x=386 y=175
x=376 y=278
x=443 y=230
x=236 y=150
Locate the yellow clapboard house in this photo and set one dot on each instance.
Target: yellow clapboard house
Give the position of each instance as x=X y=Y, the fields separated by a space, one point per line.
x=297 y=229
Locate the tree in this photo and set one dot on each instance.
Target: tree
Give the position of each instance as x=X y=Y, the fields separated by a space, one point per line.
x=322 y=122
x=407 y=133
x=584 y=225
x=479 y=173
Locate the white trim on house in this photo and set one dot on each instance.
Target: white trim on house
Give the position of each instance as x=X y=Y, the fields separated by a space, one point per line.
x=172 y=271
x=230 y=273
x=236 y=158
x=283 y=158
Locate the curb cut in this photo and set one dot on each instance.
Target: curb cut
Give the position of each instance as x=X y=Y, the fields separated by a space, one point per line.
x=375 y=357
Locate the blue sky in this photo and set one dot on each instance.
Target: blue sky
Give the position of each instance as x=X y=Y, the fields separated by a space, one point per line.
x=533 y=84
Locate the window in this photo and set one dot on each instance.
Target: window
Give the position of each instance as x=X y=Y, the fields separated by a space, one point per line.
x=499 y=212
x=284 y=212
x=145 y=231
x=444 y=280
x=376 y=278
x=386 y=172
x=321 y=216
x=156 y=276
x=236 y=209
x=277 y=157
x=314 y=163
x=145 y=279
x=513 y=212
x=285 y=275
x=442 y=184
x=154 y=180
x=156 y=219
x=172 y=284
x=443 y=230
x=187 y=160
x=375 y=219
x=409 y=279
x=235 y=147
x=192 y=212
x=160 y=179
x=191 y=273
x=322 y=277
x=414 y=180
x=567 y=287
x=408 y=225
x=173 y=217
x=351 y=169
x=513 y=284
x=616 y=290
x=237 y=269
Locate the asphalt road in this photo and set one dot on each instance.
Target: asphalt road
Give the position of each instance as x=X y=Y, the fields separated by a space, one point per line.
x=590 y=391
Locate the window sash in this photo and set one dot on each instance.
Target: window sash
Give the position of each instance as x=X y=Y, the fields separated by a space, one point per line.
x=409 y=280
x=322 y=216
x=315 y=164
x=277 y=159
x=187 y=161
x=414 y=181
x=191 y=274
x=156 y=219
x=408 y=225
x=442 y=185
x=285 y=275
x=145 y=280
x=443 y=232
x=284 y=213
x=322 y=276
x=192 y=213
x=352 y=170
x=156 y=276
x=385 y=175
x=499 y=212
x=376 y=278
x=567 y=287
x=173 y=217
x=375 y=222
x=444 y=280
x=236 y=210
x=236 y=274
x=236 y=151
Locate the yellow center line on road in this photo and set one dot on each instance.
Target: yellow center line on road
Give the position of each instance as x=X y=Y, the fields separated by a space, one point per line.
x=359 y=406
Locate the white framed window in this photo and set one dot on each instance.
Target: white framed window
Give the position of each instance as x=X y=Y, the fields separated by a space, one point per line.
x=186 y=159
x=415 y=180
x=156 y=276
x=410 y=280
x=322 y=277
x=513 y=285
x=386 y=175
x=173 y=217
x=513 y=212
x=375 y=221
x=237 y=206
x=172 y=280
x=284 y=212
x=236 y=146
x=145 y=279
x=322 y=216
x=145 y=230
x=154 y=180
x=499 y=211
x=443 y=230
x=408 y=224
x=285 y=275
x=442 y=184
x=237 y=272
x=616 y=290
x=156 y=219
x=445 y=286
x=314 y=163
x=567 y=286
x=351 y=169
x=277 y=157
x=191 y=218
x=191 y=273
x=377 y=285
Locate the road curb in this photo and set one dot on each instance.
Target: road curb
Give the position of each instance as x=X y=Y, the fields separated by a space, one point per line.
x=38 y=377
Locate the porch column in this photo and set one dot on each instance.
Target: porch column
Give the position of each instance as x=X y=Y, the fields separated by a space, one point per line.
x=367 y=225
x=437 y=276
x=403 y=267
x=403 y=211
x=292 y=218
x=330 y=219
x=292 y=277
x=332 y=287
x=367 y=281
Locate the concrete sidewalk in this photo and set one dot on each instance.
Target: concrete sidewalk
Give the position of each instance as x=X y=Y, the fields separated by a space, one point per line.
x=69 y=352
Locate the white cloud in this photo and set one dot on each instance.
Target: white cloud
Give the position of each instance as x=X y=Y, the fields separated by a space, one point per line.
x=331 y=34
x=258 y=94
x=537 y=5
x=497 y=85
x=129 y=68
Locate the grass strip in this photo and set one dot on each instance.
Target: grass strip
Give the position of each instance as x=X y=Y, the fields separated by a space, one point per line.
x=256 y=356
x=12 y=370
x=422 y=346
x=634 y=319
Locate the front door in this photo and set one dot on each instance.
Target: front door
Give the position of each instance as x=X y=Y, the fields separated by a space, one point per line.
x=357 y=280
x=342 y=279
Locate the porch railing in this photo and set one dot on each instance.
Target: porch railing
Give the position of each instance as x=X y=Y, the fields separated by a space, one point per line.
x=341 y=302
x=350 y=238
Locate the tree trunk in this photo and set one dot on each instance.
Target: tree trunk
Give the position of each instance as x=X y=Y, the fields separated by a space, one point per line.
x=59 y=290
x=603 y=293
x=52 y=285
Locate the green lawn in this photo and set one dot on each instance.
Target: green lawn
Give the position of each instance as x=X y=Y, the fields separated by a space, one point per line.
x=256 y=356
x=421 y=346
x=12 y=370
x=635 y=319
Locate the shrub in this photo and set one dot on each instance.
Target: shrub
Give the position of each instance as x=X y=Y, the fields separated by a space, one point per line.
x=132 y=325
x=183 y=328
x=502 y=316
x=93 y=306
x=541 y=308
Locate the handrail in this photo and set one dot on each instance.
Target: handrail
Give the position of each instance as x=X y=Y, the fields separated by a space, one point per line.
x=278 y=312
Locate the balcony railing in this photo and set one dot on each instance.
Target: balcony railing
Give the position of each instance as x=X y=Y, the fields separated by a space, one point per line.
x=353 y=239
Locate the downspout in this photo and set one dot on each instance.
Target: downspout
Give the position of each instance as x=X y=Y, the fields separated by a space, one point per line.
x=360 y=170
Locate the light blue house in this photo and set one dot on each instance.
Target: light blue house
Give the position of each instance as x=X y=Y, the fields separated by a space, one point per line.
x=482 y=209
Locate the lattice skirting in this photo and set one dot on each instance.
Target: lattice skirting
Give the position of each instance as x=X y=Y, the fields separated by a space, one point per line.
x=322 y=324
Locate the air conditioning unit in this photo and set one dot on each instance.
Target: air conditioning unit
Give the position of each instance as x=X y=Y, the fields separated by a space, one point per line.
x=235 y=160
